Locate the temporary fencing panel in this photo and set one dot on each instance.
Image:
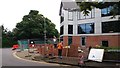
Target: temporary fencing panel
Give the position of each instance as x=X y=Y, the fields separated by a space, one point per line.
x=23 y=44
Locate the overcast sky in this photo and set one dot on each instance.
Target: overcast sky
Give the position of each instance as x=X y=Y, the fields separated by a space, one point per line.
x=12 y=11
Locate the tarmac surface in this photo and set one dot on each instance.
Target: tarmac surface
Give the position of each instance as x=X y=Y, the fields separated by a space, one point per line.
x=70 y=61
x=11 y=59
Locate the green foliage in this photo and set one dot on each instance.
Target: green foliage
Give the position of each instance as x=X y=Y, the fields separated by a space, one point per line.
x=35 y=25
x=7 y=38
x=108 y=48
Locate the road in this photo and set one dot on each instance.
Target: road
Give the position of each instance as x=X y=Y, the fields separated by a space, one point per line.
x=9 y=60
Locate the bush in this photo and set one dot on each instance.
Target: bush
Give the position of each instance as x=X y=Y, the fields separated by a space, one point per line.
x=111 y=56
x=107 y=49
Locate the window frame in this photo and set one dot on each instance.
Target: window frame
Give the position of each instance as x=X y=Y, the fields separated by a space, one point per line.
x=104 y=43
x=78 y=15
x=92 y=15
x=83 y=45
x=69 y=30
x=108 y=13
x=61 y=19
x=62 y=28
x=69 y=40
x=86 y=29
x=110 y=27
x=70 y=13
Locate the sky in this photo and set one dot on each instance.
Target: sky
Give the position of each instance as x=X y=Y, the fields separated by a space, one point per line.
x=12 y=11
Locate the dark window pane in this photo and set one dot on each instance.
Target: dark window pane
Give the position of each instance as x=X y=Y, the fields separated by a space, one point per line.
x=82 y=26
x=111 y=27
x=70 y=29
x=109 y=9
x=83 y=40
x=106 y=11
x=69 y=40
x=90 y=28
x=61 y=30
x=80 y=30
x=86 y=28
x=105 y=43
x=61 y=19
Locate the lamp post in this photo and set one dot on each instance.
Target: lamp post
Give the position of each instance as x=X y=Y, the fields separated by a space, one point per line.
x=44 y=36
x=54 y=40
x=54 y=43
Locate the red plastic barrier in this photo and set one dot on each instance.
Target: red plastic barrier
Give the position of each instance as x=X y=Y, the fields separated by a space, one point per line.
x=15 y=46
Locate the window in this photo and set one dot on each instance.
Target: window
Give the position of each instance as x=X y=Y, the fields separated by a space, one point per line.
x=61 y=19
x=88 y=16
x=70 y=15
x=105 y=43
x=61 y=30
x=69 y=40
x=106 y=11
x=70 y=29
x=83 y=41
x=82 y=15
x=78 y=15
x=86 y=28
x=111 y=27
x=91 y=14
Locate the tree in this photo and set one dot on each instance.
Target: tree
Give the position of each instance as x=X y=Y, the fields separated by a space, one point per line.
x=7 y=38
x=87 y=6
x=35 y=25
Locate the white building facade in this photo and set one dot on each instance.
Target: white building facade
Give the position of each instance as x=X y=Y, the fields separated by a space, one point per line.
x=96 y=28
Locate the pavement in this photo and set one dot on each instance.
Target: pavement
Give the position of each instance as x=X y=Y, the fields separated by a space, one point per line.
x=73 y=61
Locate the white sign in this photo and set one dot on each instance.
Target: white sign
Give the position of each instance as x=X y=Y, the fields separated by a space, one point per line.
x=96 y=55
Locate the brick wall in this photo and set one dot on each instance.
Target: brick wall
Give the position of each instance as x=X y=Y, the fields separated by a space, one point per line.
x=76 y=42
x=113 y=41
x=47 y=49
x=65 y=43
x=65 y=40
x=96 y=40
